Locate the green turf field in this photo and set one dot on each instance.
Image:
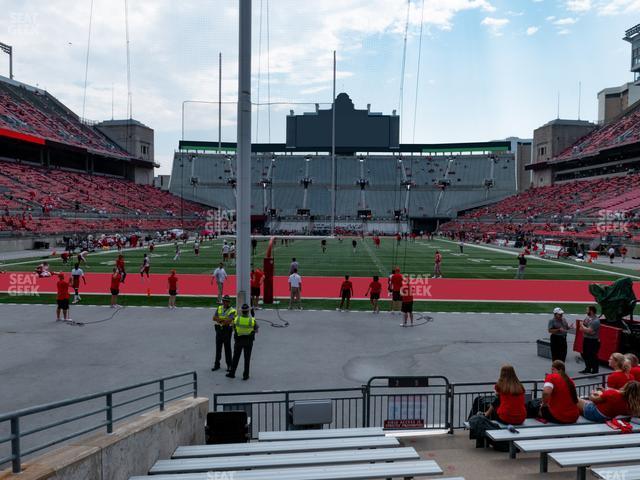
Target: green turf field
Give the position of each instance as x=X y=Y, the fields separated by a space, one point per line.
x=412 y=257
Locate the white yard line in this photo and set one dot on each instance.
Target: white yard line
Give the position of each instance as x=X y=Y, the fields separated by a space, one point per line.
x=375 y=259
x=508 y=252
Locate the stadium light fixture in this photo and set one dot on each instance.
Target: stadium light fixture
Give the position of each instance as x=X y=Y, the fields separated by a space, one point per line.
x=8 y=49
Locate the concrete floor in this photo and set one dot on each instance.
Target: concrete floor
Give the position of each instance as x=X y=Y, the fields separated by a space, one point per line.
x=43 y=361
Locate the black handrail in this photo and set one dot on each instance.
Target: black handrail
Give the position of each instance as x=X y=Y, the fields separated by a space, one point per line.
x=159 y=394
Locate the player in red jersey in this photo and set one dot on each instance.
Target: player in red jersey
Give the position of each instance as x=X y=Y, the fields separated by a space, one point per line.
x=373 y=292
x=115 y=287
x=172 y=281
x=62 y=298
x=346 y=292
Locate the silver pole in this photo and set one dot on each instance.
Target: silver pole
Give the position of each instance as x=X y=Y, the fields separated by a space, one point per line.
x=183 y=119
x=243 y=197
x=219 y=102
x=333 y=151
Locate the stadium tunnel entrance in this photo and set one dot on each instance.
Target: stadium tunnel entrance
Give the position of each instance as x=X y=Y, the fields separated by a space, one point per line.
x=427 y=224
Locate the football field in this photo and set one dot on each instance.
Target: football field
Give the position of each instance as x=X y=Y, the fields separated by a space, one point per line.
x=476 y=261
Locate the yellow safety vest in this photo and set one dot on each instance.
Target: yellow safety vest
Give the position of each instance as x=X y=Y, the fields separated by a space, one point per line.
x=244 y=325
x=230 y=314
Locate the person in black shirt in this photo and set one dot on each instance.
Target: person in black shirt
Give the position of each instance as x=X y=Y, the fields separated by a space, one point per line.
x=522 y=264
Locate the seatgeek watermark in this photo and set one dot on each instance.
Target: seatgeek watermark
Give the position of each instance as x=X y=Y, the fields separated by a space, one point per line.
x=221 y=220
x=23 y=23
x=23 y=285
x=416 y=284
x=220 y=475
x=612 y=221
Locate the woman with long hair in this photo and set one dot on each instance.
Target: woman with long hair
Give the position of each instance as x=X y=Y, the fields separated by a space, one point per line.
x=559 y=396
x=620 y=375
x=606 y=404
x=508 y=407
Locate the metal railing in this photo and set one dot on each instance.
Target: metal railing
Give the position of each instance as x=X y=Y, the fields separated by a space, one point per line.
x=110 y=406
x=440 y=404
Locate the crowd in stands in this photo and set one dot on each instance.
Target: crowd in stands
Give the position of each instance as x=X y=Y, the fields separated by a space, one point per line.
x=619 y=132
x=585 y=208
x=35 y=113
x=35 y=199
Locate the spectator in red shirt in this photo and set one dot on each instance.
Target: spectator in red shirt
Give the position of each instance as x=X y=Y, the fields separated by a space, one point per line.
x=173 y=288
x=634 y=369
x=559 y=397
x=376 y=241
x=115 y=287
x=120 y=265
x=620 y=375
x=437 y=272
x=407 y=303
x=373 y=292
x=256 y=282
x=603 y=405
x=346 y=292
x=62 y=298
x=395 y=282
x=509 y=406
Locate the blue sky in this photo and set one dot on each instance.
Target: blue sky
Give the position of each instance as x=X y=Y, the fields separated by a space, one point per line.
x=489 y=68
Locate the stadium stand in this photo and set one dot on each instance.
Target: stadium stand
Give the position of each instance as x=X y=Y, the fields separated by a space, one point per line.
x=622 y=131
x=37 y=113
x=43 y=200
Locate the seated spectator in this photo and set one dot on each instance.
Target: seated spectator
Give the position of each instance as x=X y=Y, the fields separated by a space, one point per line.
x=634 y=369
x=559 y=397
x=508 y=407
x=620 y=375
x=603 y=405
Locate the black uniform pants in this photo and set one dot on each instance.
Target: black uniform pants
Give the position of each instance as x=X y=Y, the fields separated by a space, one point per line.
x=243 y=343
x=223 y=340
x=558 y=347
x=590 y=347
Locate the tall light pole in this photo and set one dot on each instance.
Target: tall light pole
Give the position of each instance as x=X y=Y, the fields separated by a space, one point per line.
x=9 y=51
x=243 y=197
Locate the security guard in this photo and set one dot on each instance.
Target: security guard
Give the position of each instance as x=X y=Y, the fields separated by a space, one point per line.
x=223 y=320
x=245 y=329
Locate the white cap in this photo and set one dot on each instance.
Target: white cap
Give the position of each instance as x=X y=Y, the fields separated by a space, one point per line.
x=558 y=310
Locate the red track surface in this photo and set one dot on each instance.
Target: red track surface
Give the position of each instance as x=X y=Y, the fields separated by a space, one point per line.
x=328 y=287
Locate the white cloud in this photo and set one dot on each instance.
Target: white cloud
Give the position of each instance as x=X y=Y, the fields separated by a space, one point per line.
x=532 y=30
x=564 y=31
x=550 y=18
x=565 y=21
x=579 y=6
x=495 y=25
x=617 y=7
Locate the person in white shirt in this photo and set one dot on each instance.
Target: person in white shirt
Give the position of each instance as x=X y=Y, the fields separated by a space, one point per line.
x=76 y=275
x=294 y=266
x=177 y=255
x=225 y=251
x=220 y=275
x=196 y=248
x=295 y=287
x=612 y=254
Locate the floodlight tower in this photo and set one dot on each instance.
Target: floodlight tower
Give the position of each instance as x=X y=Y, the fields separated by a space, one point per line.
x=9 y=51
x=633 y=37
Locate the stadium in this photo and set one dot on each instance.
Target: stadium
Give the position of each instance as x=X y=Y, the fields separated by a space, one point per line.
x=370 y=297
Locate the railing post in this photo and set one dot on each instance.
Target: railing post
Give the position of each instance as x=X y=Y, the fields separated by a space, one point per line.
x=450 y=396
x=535 y=390
x=161 y=395
x=15 y=445
x=364 y=405
x=195 y=384
x=109 y=413
x=286 y=410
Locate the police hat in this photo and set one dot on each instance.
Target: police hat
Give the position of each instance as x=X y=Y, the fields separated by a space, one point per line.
x=245 y=308
x=226 y=298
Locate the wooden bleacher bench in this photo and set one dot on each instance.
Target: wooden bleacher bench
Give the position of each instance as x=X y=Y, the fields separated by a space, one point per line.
x=290 y=446
x=532 y=422
x=318 y=434
x=555 y=432
x=586 y=458
x=630 y=472
x=545 y=446
x=195 y=465
x=404 y=469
